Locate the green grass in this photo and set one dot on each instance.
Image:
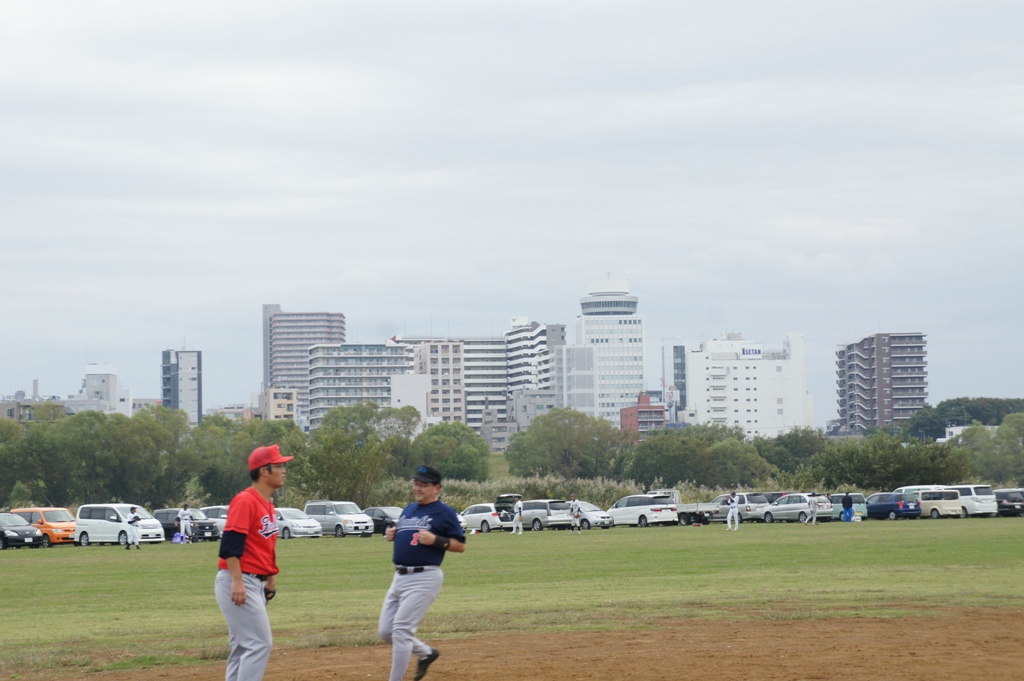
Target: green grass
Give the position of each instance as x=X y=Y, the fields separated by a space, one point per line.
x=101 y=607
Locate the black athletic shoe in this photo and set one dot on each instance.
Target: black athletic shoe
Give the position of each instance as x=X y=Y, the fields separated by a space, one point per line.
x=424 y=663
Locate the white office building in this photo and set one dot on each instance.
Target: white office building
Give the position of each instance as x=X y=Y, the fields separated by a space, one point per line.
x=738 y=382
x=604 y=371
x=182 y=382
x=345 y=375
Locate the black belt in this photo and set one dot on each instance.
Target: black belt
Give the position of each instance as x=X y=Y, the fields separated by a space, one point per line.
x=262 y=578
x=407 y=570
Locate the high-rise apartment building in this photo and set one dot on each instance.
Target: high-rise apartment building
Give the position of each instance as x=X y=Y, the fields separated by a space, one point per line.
x=882 y=380
x=604 y=371
x=182 y=382
x=530 y=350
x=442 y=362
x=345 y=375
x=485 y=374
x=737 y=382
x=287 y=338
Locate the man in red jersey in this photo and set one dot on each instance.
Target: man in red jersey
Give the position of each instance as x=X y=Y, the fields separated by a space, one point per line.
x=247 y=578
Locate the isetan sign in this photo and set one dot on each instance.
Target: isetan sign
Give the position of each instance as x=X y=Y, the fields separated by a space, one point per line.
x=750 y=353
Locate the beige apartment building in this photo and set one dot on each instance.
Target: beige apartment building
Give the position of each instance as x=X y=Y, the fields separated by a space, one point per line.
x=443 y=362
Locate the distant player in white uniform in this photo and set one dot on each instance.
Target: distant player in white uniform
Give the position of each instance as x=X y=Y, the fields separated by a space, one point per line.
x=812 y=505
x=133 y=529
x=517 y=515
x=575 y=512
x=734 y=513
x=185 y=520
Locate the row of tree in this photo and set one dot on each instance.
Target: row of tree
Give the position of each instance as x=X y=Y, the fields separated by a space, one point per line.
x=157 y=459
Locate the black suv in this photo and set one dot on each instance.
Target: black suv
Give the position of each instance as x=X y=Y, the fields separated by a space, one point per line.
x=1010 y=502
x=203 y=529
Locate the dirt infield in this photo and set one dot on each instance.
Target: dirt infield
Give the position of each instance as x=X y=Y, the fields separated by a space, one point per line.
x=982 y=645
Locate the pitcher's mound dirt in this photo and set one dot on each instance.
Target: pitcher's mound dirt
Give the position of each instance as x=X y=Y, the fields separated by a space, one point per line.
x=954 y=645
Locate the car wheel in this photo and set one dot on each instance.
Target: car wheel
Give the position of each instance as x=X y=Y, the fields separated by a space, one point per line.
x=642 y=521
x=122 y=538
x=484 y=526
x=802 y=517
x=537 y=525
x=83 y=540
x=769 y=518
x=339 y=531
x=585 y=524
x=935 y=513
x=685 y=519
x=46 y=541
x=892 y=515
x=286 y=533
x=963 y=511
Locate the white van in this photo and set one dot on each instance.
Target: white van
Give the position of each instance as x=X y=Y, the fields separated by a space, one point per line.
x=977 y=500
x=916 y=488
x=939 y=503
x=108 y=524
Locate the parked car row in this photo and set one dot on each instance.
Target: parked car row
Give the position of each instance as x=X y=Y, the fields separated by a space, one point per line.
x=108 y=523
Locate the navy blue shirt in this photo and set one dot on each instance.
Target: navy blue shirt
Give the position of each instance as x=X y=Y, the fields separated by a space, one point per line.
x=437 y=517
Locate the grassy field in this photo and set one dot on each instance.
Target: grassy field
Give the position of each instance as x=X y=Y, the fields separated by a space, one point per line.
x=101 y=607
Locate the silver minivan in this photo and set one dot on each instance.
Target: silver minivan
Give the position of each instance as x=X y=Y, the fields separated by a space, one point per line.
x=108 y=524
x=340 y=518
x=539 y=514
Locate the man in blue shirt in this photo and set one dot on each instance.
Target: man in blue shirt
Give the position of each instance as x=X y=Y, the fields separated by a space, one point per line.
x=425 y=531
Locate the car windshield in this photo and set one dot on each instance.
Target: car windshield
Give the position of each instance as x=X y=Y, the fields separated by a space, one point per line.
x=756 y=499
x=292 y=514
x=347 y=507
x=1014 y=497
x=12 y=520
x=983 y=491
x=587 y=506
x=392 y=511
x=559 y=506
x=61 y=515
x=199 y=515
x=143 y=513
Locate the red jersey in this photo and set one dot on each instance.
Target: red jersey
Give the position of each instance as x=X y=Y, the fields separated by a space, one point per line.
x=252 y=515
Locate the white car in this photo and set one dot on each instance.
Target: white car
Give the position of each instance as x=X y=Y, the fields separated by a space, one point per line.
x=484 y=517
x=108 y=524
x=218 y=514
x=594 y=516
x=644 y=510
x=291 y=522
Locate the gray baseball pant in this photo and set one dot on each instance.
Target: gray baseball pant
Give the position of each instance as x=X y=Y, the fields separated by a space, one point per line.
x=248 y=628
x=404 y=607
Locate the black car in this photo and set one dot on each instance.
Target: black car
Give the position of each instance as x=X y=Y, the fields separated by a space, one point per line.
x=16 y=531
x=1011 y=503
x=383 y=517
x=203 y=529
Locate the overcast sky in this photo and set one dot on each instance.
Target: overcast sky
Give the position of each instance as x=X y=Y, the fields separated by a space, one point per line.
x=832 y=169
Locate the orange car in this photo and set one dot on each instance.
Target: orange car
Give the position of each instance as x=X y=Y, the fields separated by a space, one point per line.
x=56 y=524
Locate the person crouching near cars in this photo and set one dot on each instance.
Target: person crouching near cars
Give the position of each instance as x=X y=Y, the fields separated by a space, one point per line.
x=247 y=578
x=812 y=508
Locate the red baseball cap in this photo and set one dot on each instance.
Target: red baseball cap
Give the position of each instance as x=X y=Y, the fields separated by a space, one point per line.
x=264 y=456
